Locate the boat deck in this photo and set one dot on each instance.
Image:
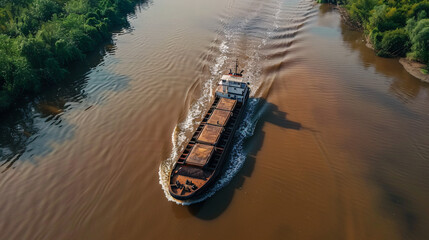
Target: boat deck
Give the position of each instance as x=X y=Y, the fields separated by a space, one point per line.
x=210 y=134
x=205 y=152
x=226 y=104
x=200 y=155
x=219 y=117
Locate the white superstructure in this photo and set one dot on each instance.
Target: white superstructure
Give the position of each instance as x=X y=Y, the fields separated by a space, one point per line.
x=232 y=86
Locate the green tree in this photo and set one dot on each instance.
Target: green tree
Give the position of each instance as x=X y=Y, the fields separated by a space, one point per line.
x=16 y=74
x=5 y=18
x=36 y=51
x=43 y=10
x=395 y=43
x=360 y=10
x=40 y=38
x=419 y=36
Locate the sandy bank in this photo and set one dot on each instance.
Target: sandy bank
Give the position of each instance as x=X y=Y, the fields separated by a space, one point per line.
x=413 y=68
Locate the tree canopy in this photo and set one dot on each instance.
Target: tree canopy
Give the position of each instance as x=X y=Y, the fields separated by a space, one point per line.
x=39 y=38
x=396 y=28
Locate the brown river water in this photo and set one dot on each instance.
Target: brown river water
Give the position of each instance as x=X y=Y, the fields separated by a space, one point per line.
x=334 y=144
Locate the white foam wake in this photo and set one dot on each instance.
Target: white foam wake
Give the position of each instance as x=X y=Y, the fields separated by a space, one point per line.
x=237 y=154
x=197 y=110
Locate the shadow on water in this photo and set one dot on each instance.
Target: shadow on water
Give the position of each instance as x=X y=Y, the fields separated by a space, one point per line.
x=396 y=203
x=399 y=171
x=41 y=121
x=266 y=112
x=398 y=192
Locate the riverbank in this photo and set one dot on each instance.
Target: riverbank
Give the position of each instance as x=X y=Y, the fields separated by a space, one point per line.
x=326 y=154
x=41 y=40
x=345 y=17
x=412 y=67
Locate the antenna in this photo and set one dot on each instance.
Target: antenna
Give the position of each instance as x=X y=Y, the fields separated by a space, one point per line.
x=236 y=73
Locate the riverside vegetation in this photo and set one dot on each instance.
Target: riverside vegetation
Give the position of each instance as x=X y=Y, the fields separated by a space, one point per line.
x=395 y=28
x=39 y=38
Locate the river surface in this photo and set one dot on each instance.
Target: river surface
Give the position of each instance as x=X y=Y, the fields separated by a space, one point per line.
x=334 y=144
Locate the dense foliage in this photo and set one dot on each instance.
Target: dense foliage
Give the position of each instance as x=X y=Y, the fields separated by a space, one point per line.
x=38 y=38
x=396 y=28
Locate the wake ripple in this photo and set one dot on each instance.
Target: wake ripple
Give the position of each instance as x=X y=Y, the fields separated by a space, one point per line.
x=232 y=35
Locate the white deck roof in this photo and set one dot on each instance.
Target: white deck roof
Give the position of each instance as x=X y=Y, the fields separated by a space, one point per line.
x=232 y=78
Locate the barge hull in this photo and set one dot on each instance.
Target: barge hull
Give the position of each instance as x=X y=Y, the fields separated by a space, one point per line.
x=202 y=160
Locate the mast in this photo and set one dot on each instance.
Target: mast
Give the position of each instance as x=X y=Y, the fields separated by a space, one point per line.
x=236 y=66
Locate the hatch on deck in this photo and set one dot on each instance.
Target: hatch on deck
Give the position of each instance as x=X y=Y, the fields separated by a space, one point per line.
x=200 y=155
x=210 y=134
x=219 y=117
x=226 y=104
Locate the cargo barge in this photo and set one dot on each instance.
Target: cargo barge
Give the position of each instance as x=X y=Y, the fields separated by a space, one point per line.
x=203 y=157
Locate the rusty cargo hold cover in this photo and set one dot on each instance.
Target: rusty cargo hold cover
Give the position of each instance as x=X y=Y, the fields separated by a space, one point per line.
x=199 y=155
x=219 y=117
x=226 y=104
x=210 y=134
